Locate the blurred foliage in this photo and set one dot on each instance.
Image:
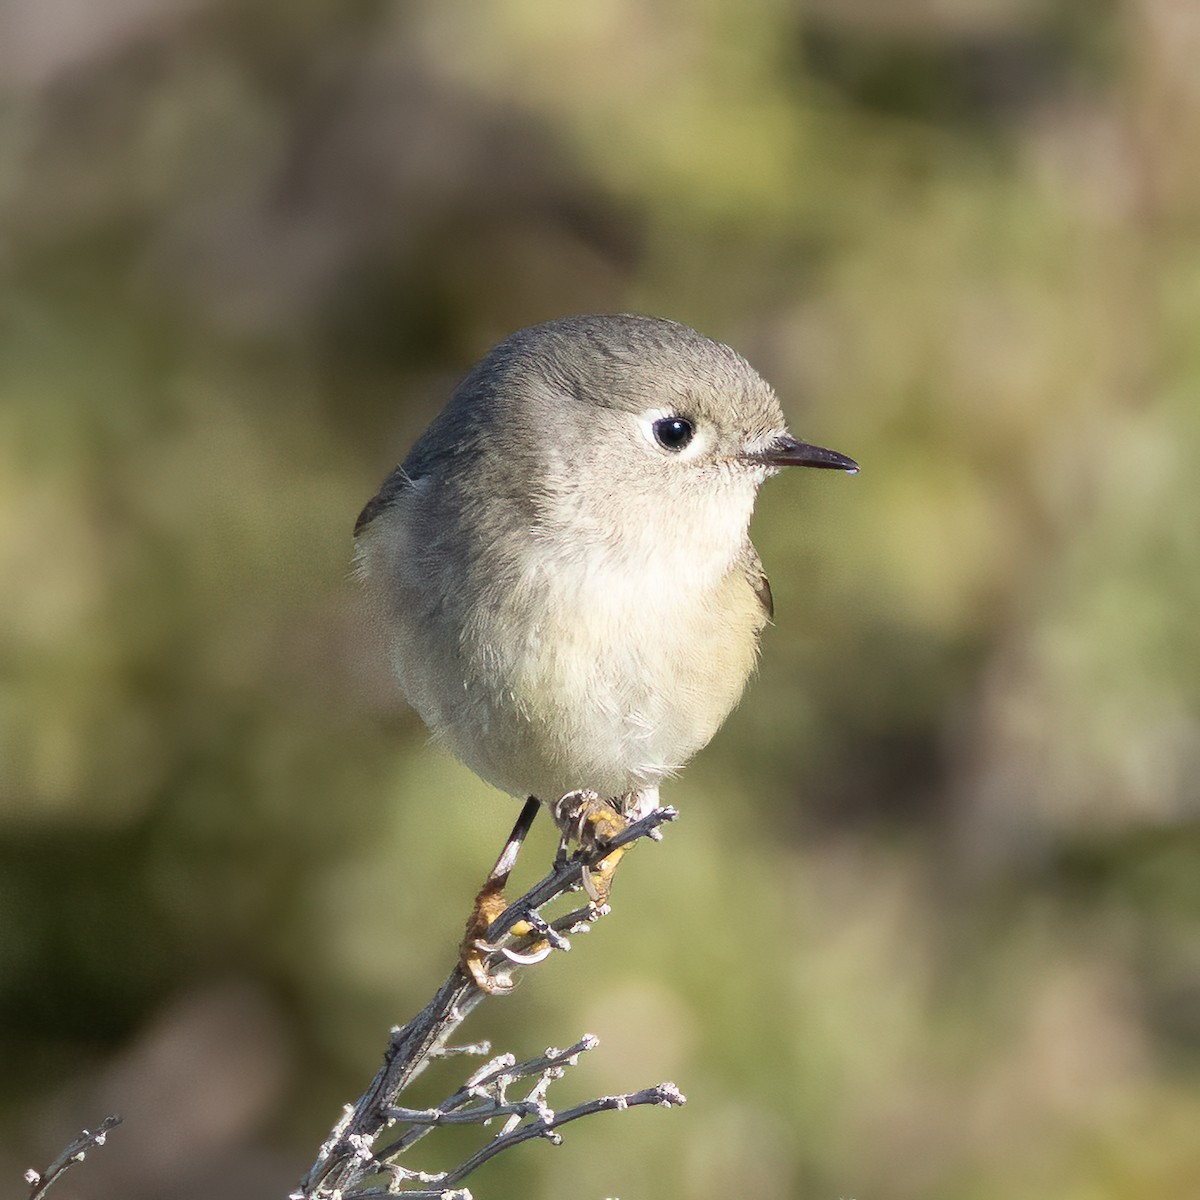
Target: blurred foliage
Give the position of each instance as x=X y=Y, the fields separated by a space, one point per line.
x=930 y=926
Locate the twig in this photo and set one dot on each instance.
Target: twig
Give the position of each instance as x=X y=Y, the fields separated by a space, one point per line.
x=666 y=1095
x=40 y=1182
x=347 y=1160
x=494 y=1077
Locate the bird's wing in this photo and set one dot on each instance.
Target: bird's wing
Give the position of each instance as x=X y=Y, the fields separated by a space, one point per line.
x=393 y=487
x=757 y=578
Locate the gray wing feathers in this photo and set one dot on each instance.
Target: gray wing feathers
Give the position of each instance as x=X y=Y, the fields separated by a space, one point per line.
x=394 y=485
x=757 y=578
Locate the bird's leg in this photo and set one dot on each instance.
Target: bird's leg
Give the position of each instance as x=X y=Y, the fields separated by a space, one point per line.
x=590 y=820
x=489 y=904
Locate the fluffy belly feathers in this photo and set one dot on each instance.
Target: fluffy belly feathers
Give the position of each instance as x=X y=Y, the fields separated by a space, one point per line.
x=562 y=686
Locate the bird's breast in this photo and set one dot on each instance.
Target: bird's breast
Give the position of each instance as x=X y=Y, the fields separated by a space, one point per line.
x=616 y=674
x=564 y=659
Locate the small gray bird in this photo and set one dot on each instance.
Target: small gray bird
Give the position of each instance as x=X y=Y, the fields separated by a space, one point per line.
x=563 y=561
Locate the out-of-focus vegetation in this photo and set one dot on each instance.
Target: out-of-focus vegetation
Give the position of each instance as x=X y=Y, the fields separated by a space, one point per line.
x=930 y=924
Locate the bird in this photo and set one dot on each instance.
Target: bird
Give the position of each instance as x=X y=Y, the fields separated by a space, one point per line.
x=562 y=564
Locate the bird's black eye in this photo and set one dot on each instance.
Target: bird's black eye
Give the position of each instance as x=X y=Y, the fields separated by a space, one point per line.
x=673 y=433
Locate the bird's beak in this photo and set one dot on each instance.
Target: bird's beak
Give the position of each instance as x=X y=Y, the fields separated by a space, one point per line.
x=785 y=451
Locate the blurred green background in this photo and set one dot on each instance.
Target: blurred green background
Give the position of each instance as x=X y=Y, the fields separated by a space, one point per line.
x=929 y=926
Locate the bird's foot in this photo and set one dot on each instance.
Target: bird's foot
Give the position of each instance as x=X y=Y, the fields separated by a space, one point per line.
x=475 y=948
x=490 y=903
x=585 y=817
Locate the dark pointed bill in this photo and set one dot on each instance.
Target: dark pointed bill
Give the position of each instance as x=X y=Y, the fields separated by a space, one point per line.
x=785 y=451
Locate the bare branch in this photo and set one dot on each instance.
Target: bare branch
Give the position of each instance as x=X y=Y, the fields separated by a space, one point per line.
x=40 y=1182
x=490 y=1083
x=348 y=1159
x=666 y=1095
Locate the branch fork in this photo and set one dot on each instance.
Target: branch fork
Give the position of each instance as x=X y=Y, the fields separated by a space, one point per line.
x=352 y=1165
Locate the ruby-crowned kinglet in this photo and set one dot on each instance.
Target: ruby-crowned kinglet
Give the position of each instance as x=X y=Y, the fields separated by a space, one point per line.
x=563 y=561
